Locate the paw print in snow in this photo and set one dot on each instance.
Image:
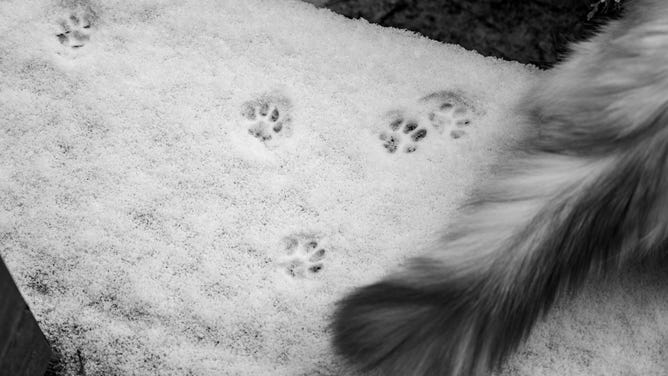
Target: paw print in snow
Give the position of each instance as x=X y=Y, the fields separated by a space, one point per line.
x=303 y=256
x=403 y=133
x=268 y=117
x=449 y=111
x=75 y=30
x=437 y=112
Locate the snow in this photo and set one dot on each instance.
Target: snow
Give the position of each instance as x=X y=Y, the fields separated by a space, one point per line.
x=155 y=229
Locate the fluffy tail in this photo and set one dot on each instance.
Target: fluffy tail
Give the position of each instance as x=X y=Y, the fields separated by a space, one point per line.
x=587 y=193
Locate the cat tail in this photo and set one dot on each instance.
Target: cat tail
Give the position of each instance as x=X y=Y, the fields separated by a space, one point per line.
x=534 y=232
x=586 y=193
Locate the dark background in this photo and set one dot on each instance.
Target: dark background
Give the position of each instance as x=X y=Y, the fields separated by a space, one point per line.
x=534 y=32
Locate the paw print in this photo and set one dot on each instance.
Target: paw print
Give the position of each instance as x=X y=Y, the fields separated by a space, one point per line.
x=403 y=133
x=75 y=30
x=437 y=112
x=449 y=111
x=303 y=256
x=267 y=117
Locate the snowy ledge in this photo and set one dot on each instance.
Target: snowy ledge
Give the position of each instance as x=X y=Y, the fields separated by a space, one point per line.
x=187 y=187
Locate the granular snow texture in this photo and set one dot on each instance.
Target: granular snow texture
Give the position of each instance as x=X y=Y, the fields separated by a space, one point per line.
x=187 y=187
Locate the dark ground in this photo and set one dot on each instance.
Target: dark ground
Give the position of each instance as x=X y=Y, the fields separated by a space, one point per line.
x=533 y=32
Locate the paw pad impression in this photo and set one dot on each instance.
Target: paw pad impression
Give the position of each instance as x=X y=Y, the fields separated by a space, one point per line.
x=268 y=117
x=303 y=256
x=449 y=111
x=437 y=113
x=403 y=133
x=75 y=30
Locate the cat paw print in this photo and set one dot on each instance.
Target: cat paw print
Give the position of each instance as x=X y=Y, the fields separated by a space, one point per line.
x=75 y=30
x=268 y=117
x=449 y=111
x=437 y=113
x=402 y=133
x=303 y=256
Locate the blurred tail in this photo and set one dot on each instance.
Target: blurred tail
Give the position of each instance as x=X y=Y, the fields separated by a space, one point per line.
x=587 y=193
x=534 y=236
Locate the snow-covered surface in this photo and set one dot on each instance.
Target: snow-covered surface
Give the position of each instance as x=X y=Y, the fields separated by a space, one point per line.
x=161 y=218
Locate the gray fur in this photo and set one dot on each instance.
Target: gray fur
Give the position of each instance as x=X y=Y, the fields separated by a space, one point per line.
x=586 y=192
